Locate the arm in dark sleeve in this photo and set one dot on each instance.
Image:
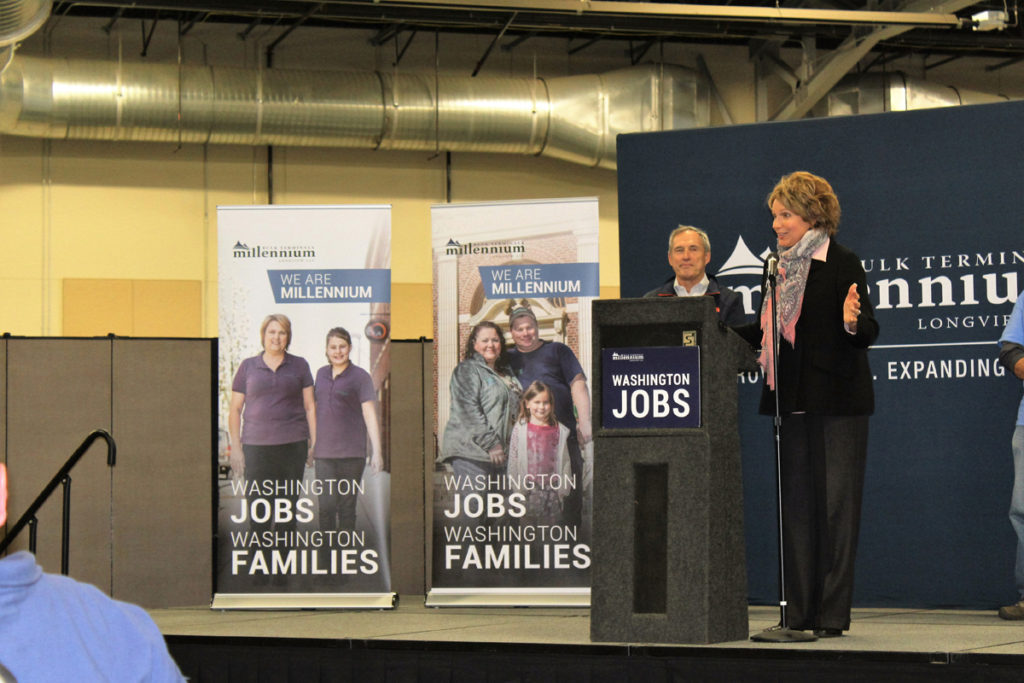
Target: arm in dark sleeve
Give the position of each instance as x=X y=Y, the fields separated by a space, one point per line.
x=751 y=332
x=732 y=313
x=569 y=365
x=1009 y=354
x=851 y=272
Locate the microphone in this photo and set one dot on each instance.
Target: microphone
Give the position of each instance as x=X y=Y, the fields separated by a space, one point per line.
x=773 y=266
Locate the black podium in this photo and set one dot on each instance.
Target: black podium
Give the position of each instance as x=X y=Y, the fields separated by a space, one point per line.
x=668 y=548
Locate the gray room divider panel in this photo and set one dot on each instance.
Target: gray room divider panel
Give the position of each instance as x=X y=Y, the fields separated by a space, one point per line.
x=162 y=419
x=58 y=390
x=407 y=438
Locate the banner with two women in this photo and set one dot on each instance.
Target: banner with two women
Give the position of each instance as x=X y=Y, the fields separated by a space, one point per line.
x=303 y=490
x=513 y=282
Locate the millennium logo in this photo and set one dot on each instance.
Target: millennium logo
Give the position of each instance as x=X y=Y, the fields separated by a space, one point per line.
x=742 y=261
x=942 y=284
x=242 y=250
x=456 y=248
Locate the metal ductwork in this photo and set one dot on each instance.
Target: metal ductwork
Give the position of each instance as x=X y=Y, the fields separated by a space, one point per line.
x=574 y=118
x=874 y=93
x=21 y=18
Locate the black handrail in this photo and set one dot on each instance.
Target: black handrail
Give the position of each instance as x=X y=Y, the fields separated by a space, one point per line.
x=62 y=477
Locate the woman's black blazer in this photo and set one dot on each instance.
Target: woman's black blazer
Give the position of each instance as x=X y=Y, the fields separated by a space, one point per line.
x=826 y=372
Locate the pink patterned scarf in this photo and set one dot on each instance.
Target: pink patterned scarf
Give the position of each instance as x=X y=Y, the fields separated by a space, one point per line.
x=794 y=264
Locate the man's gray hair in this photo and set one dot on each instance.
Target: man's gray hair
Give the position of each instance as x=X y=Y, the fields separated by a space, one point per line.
x=690 y=228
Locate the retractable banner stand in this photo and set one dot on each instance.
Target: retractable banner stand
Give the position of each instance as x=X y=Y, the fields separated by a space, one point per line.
x=512 y=499
x=304 y=303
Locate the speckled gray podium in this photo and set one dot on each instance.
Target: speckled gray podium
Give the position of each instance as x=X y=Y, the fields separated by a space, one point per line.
x=706 y=591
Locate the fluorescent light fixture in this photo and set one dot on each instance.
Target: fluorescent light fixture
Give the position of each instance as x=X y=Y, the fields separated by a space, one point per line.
x=989 y=20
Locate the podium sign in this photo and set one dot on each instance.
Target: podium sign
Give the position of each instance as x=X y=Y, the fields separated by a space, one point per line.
x=651 y=387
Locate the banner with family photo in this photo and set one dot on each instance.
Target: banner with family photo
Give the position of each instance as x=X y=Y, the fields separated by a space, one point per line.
x=303 y=490
x=513 y=282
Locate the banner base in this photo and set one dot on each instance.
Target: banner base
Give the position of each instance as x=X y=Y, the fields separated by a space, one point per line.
x=303 y=601
x=508 y=597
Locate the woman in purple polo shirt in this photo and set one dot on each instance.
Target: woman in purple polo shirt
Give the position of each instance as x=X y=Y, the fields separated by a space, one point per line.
x=346 y=414
x=272 y=417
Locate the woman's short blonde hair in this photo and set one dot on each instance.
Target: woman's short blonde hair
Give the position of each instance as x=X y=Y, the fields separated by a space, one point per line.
x=810 y=197
x=281 y=320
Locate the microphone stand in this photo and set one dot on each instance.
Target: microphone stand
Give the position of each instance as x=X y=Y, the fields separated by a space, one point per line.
x=781 y=633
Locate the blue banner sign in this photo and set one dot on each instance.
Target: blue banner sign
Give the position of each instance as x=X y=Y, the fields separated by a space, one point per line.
x=349 y=285
x=541 y=280
x=651 y=387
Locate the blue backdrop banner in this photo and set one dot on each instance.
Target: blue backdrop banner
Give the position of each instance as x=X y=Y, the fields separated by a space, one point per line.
x=936 y=219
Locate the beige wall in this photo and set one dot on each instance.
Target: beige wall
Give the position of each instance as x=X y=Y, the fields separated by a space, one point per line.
x=146 y=212
x=89 y=213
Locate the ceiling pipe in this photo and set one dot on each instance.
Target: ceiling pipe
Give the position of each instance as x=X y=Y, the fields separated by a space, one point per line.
x=21 y=18
x=876 y=93
x=572 y=118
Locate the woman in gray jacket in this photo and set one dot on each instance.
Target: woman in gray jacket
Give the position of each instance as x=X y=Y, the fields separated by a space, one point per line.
x=485 y=397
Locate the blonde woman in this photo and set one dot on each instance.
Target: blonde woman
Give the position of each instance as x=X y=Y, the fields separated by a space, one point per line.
x=824 y=385
x=272 y=416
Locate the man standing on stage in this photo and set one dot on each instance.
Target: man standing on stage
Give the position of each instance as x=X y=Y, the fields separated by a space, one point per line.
x=689 y=252
x=1011 y=355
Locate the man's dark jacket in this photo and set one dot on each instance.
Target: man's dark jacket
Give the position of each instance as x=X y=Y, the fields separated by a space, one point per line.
x=728 y=303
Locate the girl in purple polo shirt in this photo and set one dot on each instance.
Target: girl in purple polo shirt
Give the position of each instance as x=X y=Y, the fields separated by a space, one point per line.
x=346 y=415
x=272 y=417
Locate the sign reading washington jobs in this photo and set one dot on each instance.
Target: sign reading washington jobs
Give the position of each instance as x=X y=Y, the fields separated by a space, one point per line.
x=651 y=387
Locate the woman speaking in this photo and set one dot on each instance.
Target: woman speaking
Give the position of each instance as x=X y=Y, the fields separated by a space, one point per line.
x=825 y=396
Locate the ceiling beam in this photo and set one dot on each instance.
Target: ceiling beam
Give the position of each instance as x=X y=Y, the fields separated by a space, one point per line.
x=925 y=16
x=487 y=52
x=841 y=60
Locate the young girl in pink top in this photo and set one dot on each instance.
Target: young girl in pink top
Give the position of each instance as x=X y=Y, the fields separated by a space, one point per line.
x=538 y=460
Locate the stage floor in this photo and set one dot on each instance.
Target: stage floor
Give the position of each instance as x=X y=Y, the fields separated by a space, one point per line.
x=944 y=635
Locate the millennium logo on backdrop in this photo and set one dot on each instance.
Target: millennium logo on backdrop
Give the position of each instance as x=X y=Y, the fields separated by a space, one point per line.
x=282 y=252
x=456 y=248
x=941 y=301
